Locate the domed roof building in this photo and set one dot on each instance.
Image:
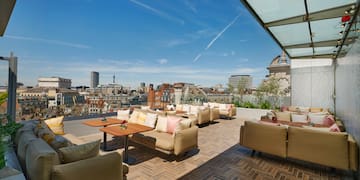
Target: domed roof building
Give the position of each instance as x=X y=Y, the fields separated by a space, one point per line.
x=280 y=69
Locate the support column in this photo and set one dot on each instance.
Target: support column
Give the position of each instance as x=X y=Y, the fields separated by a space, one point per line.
x=12 y=85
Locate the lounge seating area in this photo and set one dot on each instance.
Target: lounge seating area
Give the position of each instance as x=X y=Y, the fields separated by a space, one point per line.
x=311 y=136
x=46 y=154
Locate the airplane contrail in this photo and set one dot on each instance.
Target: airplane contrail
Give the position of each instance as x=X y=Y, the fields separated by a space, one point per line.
x=158 y=12
x=216 y=37
x=220 y=33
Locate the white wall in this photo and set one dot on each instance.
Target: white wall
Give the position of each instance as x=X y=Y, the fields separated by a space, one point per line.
x=312 y=83
x=348 y=91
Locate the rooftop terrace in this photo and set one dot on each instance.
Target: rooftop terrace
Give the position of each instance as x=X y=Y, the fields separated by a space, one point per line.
x=219 y=157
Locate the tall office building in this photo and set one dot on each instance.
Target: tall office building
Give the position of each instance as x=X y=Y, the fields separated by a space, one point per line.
x=94 y=79
x=244 y=80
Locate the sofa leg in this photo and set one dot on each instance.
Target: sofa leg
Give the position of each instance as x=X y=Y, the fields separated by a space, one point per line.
x=253 y=153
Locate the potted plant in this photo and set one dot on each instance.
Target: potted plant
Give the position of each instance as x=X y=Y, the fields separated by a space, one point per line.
x=7 y=132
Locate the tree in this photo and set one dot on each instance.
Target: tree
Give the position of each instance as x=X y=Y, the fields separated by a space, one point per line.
x=270 y=87
x=241 y=87
x=231 y=88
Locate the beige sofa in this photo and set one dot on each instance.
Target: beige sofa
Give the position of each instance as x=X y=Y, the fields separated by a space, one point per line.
x=333 y=149
x=176 y=143
x=200 y=113
x=264 y=138
x=43 y=161
x=225 y=110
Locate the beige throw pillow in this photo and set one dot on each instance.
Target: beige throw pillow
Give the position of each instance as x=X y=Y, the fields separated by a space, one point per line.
x=123 y=114
x=79 y=152
x=56 y=125
x=161 y=124
x=283 y=116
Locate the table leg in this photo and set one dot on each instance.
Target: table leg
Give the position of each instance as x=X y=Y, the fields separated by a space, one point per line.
x=104 y=143
x=126 y=146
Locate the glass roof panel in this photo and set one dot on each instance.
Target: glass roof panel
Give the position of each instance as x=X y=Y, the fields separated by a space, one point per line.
x=327 y=29
x=324 y=50
x=291 y=34
x=271 y=10
x=300 y=52
x=317 y=5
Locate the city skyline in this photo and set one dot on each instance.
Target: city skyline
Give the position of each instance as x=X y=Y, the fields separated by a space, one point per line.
x=201 y=42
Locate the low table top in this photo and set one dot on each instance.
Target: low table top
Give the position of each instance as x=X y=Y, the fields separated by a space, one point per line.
x=99 y=122
x=131 y=128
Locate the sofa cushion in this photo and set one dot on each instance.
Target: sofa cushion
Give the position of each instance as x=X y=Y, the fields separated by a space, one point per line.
x=40 y=158
x=123 y=114
x=329 y=120
x=141 y=118
x=46 y=134
x=56 y=125
x=315 y=109
x=172 y=122
x=316 y=118
x=25 y=128
x=283 y=116
x=186 y=108
x=25 y=139
x=161 y=124
x=179 y=107
x=79 y=152
x=293 y=108
x=335 y=128
x=299 y=118
x=134 y=116
x=194 y=110
x=163 y=140
x=59 y=142
x=150 y=120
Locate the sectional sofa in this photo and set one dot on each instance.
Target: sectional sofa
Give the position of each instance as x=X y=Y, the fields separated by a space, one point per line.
x=44 y=155
x=200 y=113
x=224 y=110
x=171 y=134
x=333 y=149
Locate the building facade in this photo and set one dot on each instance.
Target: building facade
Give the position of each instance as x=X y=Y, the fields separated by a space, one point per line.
x=55 y=82
x=240 y=81
x=94 y=79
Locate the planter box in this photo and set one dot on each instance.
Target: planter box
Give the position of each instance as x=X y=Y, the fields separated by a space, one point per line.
x=251 y=114
x=12 y=169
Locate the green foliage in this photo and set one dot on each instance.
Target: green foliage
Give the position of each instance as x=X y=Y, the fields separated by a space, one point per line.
x=9 y=129
x=265 y=105
x=3 y=97
x=237 y=104
x=248 y=104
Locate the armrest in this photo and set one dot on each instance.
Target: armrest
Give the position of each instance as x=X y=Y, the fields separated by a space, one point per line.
x=185 y=140
x=233 y=111
x=242 y=130
x=204 y=116
x=353 y=154
x=108 y=166
x=214 y=114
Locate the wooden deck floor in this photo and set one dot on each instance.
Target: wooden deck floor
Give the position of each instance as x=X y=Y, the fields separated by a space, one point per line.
x=219 y=157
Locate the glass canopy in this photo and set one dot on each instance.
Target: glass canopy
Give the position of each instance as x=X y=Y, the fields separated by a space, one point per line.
x=309 y=28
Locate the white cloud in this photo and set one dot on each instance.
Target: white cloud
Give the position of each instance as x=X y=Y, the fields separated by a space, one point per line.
x=158 y=12
x=176 y=42
x=162 y=61
x=247 y=70
x=49 y=41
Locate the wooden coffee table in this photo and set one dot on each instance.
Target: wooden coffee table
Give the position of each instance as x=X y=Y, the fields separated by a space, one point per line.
x=131 y=128
x=100 y=122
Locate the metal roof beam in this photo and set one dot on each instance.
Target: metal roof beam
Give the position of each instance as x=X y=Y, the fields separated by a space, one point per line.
x=6 y=8
x=334 y=42
x=323 y=14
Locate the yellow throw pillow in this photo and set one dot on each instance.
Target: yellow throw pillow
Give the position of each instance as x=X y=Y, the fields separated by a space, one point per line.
x=79 y=152
x=141 y=118
x=56 y=125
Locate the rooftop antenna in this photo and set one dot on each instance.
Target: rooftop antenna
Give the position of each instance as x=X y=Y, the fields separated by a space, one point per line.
x=114 y=78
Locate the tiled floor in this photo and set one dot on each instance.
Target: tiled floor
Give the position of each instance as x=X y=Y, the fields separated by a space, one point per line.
x=219 y=157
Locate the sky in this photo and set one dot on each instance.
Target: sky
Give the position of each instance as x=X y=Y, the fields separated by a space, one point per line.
x=152 y=41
